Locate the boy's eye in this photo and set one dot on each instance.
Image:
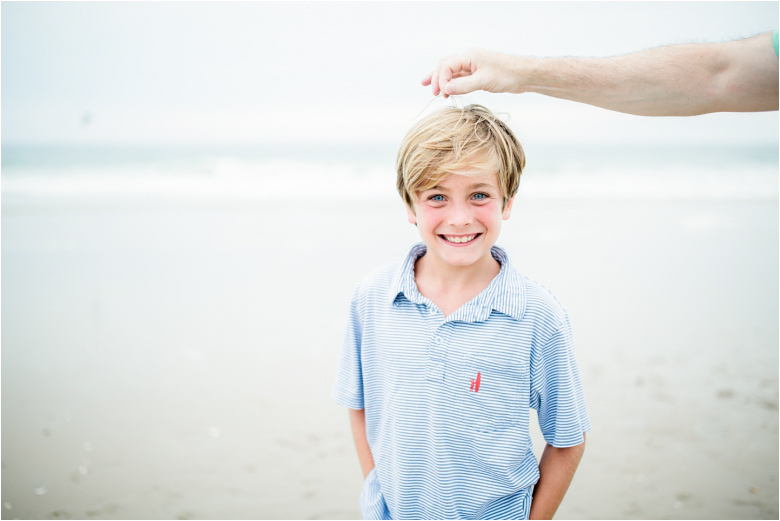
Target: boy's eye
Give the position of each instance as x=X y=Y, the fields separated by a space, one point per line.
x=479 y=197
x=437 y=197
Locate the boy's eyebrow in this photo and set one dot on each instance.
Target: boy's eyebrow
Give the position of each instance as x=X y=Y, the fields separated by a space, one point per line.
x=472 y=186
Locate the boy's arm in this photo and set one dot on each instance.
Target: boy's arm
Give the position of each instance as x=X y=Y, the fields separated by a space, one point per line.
x=357 y=419
x=556 y=470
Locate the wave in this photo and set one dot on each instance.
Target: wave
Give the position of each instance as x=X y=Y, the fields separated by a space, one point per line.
x=369 y=174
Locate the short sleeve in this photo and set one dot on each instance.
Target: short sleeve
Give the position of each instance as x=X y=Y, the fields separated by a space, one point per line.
x=348 y=388
x=556 y=390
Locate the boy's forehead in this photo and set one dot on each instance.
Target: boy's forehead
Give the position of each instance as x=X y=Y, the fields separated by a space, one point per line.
x=471 y=178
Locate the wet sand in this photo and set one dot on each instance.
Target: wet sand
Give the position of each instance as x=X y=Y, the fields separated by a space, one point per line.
x=174 y=361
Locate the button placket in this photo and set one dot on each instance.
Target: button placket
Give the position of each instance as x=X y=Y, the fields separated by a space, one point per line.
x=437 y=354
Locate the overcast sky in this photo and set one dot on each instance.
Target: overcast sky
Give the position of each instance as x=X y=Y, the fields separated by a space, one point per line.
x=246 y=72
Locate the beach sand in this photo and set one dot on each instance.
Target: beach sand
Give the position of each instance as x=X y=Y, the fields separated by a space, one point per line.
x=174 y=361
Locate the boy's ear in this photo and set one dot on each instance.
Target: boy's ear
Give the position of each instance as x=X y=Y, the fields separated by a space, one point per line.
x=411 y=215
x=508 y=208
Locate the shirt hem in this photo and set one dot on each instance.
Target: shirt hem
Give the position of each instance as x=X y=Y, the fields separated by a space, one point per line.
x=346 y=402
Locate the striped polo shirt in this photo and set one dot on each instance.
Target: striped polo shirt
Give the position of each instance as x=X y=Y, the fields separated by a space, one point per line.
x=447 y=399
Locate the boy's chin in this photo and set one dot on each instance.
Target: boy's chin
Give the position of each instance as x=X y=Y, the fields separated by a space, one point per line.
x=462 y=257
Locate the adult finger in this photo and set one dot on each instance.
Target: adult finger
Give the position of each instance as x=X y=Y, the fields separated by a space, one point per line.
x=461 y=74
x=464 y=84
x=427 y=80
x=446 y=70
x=435 y=79
x=456 y=67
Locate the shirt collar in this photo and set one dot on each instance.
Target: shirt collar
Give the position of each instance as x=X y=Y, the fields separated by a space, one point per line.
x=505 y=293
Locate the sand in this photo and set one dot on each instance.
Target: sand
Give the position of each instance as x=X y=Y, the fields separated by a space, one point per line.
x=173 y=360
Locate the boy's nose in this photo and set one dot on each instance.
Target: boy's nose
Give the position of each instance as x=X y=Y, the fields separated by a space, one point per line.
x=460 y=215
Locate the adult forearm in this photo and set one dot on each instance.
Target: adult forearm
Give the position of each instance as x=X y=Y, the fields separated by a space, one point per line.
x=556 y=470
x=678 y=80
x=357 y=420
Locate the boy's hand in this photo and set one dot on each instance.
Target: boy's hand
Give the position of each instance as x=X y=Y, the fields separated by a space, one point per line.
x=475 y=69
x=556 y=470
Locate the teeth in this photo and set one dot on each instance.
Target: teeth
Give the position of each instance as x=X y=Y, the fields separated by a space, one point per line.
x=467 y=238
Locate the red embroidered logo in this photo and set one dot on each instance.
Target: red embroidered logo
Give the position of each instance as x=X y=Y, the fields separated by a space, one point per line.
x=475 y=383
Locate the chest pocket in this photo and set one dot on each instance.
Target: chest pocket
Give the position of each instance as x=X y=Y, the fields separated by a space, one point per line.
x=491 y=394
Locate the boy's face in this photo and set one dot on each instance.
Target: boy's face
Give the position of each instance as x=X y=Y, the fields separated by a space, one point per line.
x=459 y=219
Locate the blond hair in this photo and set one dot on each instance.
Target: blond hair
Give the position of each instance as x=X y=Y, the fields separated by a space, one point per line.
x=454 y=140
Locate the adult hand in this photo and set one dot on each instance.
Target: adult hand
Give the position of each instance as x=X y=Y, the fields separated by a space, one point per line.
x=475 y=69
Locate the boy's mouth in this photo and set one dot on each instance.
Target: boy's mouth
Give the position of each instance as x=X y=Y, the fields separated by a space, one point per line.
x=460 y=239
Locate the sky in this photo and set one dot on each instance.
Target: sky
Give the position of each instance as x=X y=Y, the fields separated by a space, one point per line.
x=329 y=73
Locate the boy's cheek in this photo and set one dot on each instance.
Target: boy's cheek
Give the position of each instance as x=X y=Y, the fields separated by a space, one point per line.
x=489 y=213
x=422 y=212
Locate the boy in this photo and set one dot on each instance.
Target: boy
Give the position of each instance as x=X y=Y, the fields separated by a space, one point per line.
x=445 y=353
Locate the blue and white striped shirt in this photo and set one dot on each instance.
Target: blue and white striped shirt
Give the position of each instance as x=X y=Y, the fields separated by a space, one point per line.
x=447 y=399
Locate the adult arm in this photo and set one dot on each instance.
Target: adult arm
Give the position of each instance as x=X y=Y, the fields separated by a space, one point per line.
x=357 y=419
x=676 y=80
x=556 y=470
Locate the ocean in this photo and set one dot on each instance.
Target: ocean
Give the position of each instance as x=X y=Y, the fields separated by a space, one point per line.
x=244 y=174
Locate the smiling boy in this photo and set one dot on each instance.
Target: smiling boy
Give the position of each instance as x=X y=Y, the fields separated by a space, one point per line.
x=446 y=352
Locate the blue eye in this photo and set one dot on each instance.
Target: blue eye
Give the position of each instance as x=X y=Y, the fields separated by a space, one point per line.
x=479 y=197
x=437 y=197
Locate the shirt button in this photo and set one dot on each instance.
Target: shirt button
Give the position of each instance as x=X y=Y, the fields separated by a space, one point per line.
x=438 y=340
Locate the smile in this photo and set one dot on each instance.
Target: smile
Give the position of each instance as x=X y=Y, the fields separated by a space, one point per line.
x=460 y=239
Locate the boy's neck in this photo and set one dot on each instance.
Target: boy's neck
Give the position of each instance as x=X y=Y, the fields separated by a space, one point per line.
x=436 y=277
